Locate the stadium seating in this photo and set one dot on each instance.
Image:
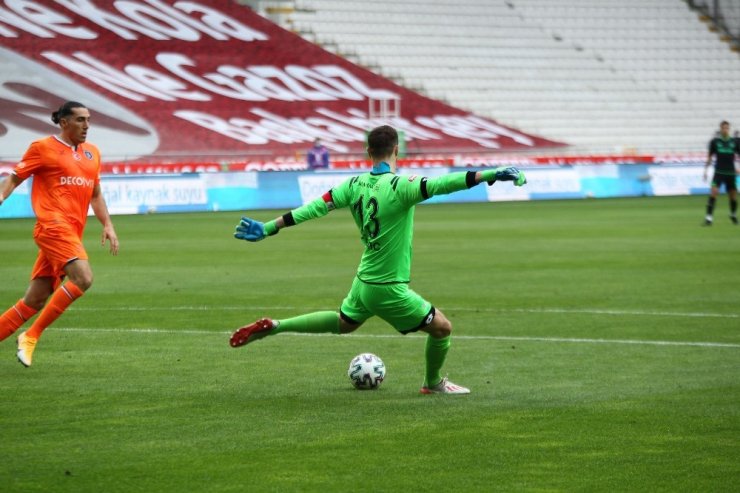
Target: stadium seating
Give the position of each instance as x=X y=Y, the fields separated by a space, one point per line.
x=604 y=75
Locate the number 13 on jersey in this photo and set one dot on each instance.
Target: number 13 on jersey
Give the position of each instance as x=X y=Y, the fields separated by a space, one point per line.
x=366 y=215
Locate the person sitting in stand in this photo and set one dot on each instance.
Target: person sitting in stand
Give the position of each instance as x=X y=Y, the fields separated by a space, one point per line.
x=318 y=156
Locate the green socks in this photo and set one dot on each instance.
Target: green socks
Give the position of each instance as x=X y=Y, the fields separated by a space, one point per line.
x=435 y=353
x=311 y=323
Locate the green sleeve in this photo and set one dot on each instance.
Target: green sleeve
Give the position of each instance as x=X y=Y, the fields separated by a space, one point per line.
x=449 y=183
x=319 y=207
x=313 y=210
x=412 y=191
x=271 y=228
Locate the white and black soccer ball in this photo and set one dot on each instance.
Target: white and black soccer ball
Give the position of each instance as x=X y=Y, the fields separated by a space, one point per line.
x=366 y=371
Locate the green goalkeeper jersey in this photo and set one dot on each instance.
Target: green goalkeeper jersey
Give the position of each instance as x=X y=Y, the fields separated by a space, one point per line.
x=382 y=205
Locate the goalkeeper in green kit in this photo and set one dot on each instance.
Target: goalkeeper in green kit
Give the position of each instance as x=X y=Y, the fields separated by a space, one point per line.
x=382 y=205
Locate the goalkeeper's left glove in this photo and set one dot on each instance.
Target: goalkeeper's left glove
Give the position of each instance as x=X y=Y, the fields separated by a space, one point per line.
x=251 y=230
x=504 y=174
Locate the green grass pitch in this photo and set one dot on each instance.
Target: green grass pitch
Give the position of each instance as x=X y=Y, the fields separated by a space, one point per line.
x=600 y=338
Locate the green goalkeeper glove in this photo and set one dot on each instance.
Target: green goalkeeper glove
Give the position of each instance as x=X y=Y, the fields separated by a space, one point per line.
x=504 y=174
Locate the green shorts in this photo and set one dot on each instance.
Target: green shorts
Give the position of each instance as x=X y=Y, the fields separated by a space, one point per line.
x=395 y=303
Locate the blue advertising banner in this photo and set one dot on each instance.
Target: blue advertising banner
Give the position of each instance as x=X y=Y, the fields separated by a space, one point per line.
x=146 y=194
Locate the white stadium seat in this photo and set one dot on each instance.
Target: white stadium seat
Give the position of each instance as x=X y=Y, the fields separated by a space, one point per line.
x=642 y=74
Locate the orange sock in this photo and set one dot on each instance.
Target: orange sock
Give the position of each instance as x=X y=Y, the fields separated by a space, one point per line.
x=14 y=317
x=59 y=301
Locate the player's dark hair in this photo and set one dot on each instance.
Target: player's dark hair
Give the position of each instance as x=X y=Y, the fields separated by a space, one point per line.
x=381 y=141
x=724 y=122
x=65 y=110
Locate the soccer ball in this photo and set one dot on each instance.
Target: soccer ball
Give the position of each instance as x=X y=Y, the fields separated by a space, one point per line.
x=366 y=371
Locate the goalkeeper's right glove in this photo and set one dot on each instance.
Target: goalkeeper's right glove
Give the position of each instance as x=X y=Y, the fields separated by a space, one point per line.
x=504 y=174
x=251 y=230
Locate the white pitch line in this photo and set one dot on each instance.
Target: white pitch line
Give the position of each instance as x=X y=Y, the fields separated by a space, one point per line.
x=576 y=340
x=606 y=341
x=647 y=313
x=586 y=311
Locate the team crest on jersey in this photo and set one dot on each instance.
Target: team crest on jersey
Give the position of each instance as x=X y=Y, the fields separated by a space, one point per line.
x=412 y=178
x=88 y=154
